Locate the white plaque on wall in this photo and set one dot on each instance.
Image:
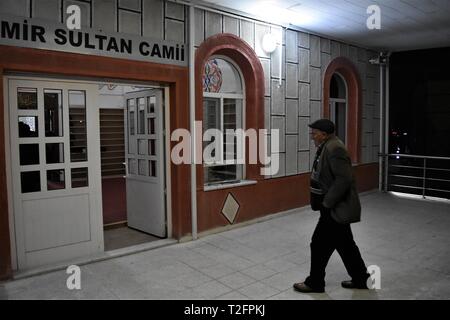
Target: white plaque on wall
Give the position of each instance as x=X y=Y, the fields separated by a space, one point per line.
x=40 y=34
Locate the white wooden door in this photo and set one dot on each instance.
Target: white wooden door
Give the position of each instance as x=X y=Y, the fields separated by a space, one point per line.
x=144 y=149
x=54 y=139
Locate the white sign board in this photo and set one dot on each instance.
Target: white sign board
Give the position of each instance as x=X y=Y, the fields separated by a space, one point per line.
x=40 y=34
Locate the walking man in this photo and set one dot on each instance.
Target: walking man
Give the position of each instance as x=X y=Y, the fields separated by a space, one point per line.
x=333 y=193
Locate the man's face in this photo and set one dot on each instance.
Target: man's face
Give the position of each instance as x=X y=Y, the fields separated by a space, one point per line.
x=318 y=136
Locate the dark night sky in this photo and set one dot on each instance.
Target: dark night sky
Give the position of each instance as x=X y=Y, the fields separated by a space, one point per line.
x=420 y=100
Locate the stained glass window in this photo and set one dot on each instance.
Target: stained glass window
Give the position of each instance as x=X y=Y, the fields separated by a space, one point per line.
x=221 y=76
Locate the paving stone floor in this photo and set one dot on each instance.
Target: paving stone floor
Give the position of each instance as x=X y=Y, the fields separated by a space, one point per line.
x=408 y=239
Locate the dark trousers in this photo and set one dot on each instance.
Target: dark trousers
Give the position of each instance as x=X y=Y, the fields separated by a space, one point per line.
x=329 y=236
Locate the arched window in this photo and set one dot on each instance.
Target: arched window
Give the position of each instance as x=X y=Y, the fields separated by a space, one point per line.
x=338 y=105
x=223 y=106
x=343 y=69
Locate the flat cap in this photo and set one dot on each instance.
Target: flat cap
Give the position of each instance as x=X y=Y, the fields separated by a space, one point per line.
x=324 y=125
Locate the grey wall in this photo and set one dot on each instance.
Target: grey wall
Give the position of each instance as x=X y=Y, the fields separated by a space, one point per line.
x=150 y=18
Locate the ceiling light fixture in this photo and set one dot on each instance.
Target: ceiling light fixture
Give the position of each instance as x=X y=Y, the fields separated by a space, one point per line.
x=269 y=43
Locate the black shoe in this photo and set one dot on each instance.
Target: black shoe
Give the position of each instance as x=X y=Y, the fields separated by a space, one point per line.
x=302 y=287
x=349 y=284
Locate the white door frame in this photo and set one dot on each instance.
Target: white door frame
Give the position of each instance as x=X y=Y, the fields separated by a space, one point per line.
x=12 y=230
x=168 y=162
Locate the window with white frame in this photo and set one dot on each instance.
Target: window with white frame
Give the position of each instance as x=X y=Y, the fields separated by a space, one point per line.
x=223 y=114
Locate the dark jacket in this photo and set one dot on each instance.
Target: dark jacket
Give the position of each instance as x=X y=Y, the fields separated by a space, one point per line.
x=335 y=176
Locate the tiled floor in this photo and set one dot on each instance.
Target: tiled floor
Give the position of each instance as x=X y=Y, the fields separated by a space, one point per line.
x=408 y=239
x=124 y=237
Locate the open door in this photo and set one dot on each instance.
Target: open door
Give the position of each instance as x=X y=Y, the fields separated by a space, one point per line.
x=144 y=150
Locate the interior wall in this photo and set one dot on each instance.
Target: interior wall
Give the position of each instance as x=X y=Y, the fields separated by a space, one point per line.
x=114 y=200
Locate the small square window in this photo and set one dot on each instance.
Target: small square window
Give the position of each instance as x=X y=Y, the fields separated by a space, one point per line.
x=56 y=179
x=80 y=177
x=30 y=181
x=29 y=154
x=151 y=125
x=141 y=164
x=151 y=104
x=131 y=166
x=151 y=147
x=131 y=120
x=27 y=98
x=152 y=168
x=54 y=152
x=142 y=148
x=53 y=113
x=28 y=127
x=78 y=126
x=141 y=115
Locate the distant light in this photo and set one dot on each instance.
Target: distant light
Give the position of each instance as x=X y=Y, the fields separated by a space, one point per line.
x=398 y=157
x=405 y=134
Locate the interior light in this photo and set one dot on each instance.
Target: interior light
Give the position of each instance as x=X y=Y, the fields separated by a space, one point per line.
x=269 y=43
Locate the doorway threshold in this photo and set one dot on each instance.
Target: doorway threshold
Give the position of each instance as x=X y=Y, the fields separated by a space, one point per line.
x=96 y=258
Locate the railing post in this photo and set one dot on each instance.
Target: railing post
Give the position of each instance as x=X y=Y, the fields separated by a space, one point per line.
x=424 y=176
x=380 y=171
x=441 y=181
x=386 y=172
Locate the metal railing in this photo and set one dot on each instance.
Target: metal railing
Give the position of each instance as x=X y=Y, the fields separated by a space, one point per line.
x=422 y=175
